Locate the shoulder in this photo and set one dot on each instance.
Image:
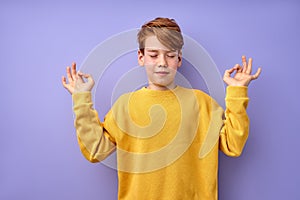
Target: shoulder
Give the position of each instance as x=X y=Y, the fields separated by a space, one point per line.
x=124 y=98
x=201 y=95
x=203 y=98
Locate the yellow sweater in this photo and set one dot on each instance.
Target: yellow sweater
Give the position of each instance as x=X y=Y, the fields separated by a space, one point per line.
x=167 y=142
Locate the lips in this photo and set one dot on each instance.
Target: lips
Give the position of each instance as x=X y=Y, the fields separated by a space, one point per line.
x=162 y=72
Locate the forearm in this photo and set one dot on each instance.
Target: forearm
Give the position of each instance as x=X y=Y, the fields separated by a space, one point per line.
x=235 y=131
x=93 y=139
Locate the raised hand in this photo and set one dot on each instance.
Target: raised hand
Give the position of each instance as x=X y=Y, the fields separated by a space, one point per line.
x=76 y=82
x=243 y=76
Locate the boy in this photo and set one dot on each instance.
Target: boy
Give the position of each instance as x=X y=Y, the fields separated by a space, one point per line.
x=167 y=137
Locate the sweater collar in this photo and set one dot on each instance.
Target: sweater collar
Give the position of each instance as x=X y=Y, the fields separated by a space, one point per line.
x=161 y=93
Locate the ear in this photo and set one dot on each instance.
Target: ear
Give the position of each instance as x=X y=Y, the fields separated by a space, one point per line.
x=141 y=58
x=179 y=58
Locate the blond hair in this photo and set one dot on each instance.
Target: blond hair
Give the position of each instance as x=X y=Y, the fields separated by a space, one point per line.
x=166 y=30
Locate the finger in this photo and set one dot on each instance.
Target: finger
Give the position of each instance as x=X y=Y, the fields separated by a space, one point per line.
x=89 y=78
x=230 y=71
x=70 y=78
x=244 y=63
x=256 y=75
x=249 y=67
x=79 y=76
x=86 y=75
x=66 y=86
x=73 y=69
x=238 y=68
x=64 y=82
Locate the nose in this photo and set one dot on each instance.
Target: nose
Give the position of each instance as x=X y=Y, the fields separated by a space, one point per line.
x=162 y=61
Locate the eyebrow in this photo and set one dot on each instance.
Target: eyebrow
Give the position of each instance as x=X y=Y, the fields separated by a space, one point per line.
x=155 y=50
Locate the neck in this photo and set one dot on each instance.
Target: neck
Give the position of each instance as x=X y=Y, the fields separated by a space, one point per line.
x=161 y=87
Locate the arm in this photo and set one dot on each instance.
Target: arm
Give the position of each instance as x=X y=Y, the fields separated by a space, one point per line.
x=235 y=131
x=94 y=141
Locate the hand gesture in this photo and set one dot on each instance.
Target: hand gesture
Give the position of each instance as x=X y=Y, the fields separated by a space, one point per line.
x=243 y=76
x=76 y=82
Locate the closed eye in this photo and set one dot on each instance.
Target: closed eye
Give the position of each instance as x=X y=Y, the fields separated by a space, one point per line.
x=171 y=56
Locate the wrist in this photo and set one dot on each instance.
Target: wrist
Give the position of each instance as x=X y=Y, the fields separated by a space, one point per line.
x=82 y=89
x=81 y=97
x=236 y=91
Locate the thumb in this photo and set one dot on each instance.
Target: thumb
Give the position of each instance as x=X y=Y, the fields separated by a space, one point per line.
x=89 y=79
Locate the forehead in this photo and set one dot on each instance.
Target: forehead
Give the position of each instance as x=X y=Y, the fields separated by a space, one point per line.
x=152 y=43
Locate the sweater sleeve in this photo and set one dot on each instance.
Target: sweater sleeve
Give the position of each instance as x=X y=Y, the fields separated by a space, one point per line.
x=94 y=141
x=234 y=132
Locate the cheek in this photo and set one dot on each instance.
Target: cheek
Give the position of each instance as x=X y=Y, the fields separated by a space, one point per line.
x=149 y=68
x=149 y=61
x=174 y=64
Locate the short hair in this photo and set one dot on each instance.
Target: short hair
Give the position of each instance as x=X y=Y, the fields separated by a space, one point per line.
x=166 y=30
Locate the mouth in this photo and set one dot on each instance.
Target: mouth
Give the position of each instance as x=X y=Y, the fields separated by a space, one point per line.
x=162 y=73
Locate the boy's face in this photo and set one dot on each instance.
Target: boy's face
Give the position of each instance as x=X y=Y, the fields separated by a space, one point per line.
x=160 y=63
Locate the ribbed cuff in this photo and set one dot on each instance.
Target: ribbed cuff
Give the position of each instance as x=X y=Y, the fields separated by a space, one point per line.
x=81 y=97
x=236 y=92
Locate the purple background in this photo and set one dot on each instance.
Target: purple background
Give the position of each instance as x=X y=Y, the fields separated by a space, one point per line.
x=39 y=155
